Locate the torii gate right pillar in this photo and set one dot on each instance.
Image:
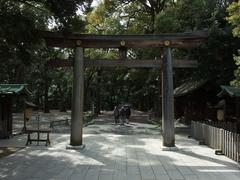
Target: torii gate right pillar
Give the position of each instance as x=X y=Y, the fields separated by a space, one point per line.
x=167 y=100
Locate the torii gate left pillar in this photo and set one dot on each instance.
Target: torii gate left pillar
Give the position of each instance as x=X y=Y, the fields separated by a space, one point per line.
x=76 y=140
x=168 y=129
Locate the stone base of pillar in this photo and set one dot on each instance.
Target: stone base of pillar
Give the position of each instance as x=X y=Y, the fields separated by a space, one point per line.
x=75 y=147
x=165 y=148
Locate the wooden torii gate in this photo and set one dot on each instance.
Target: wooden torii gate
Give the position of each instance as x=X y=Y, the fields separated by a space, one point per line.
x=123 y=42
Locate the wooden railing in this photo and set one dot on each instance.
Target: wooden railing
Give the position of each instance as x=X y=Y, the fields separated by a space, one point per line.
x=224 y=141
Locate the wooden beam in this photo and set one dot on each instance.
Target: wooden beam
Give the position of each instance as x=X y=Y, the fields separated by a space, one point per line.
x=178 y=43
x=180 y=40
x=60 y=62
x=124 y=63
x=182 y=63
x=178 y=63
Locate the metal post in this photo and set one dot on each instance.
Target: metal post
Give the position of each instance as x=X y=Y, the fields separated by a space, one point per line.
x=167 y=100
x=77 y=99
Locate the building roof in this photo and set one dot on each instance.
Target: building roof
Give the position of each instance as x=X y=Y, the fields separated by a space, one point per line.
x=30 y=104
x=188 y=87
x=14 y=89
x=229 y=90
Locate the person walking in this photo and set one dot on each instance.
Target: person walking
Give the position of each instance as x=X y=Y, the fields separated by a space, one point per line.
x=122 y=115
x=128 y=113
x=116 y=114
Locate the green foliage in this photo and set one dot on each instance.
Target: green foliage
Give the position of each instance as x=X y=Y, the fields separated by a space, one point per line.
x=120 y=85
x=23 y=56
x=138 y=11
x=18 y=44
x=234 y=19
x=125 y=19
x=236 y=81
x=167 y=22
x=215 y=55
x=135 y=17
x=101 y=22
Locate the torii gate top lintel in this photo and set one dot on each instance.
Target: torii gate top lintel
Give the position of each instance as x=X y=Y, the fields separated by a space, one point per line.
x=68 y=40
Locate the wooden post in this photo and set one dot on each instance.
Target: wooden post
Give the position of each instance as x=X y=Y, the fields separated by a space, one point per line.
x=77 y=98
x=238 y=113
x=167 y=100
x=122 y=53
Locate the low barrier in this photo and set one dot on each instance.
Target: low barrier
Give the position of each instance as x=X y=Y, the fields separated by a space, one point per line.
x=224 y=141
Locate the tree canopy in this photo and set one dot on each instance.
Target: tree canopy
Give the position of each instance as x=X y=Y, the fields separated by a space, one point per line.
x=24 y=57
x=234 y=19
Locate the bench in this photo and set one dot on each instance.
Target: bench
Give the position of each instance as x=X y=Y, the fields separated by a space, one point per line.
x=59 y=122
x=38 y=131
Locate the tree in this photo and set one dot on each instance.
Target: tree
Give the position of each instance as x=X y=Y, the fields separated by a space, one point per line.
x=113 y=87
x=150 y=8
x=234 y=20
x=23 y=55
x=214 y=56
x=101 y=21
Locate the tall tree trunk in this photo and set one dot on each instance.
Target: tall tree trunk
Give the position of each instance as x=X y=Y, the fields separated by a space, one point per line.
x=46 y=88
x=152 y=21
x=19 y=74
x=98 y=94
x=62 y=103
x=46 y=106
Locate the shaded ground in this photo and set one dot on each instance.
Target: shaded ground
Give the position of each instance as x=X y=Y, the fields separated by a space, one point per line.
x=5 y=151
x=114 y=152
x=45 y=119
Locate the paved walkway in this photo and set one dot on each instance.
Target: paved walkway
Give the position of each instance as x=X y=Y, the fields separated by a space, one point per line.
x=112 y=152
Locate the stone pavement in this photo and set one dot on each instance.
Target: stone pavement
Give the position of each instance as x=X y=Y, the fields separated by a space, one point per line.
x=112 y=152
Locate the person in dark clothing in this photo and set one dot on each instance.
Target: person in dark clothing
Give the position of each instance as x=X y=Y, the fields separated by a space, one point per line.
x=122 y=115
x=128 y=113
x=116 y=114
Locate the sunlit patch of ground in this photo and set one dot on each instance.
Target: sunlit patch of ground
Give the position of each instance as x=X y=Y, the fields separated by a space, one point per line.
x=130 y=152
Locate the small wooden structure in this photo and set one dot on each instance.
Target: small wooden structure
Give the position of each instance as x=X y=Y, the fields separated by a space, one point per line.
x=38 y=139
x=64 y=122
x=164 y=42
x=192 y=98
x=38 y=131
x=28 y=110
x=231 y=110
x=7 y=92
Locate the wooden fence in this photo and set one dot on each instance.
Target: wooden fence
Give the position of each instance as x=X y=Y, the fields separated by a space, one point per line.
x=224 y=141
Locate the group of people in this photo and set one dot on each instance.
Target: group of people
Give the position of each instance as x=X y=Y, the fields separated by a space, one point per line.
x=122 y=114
